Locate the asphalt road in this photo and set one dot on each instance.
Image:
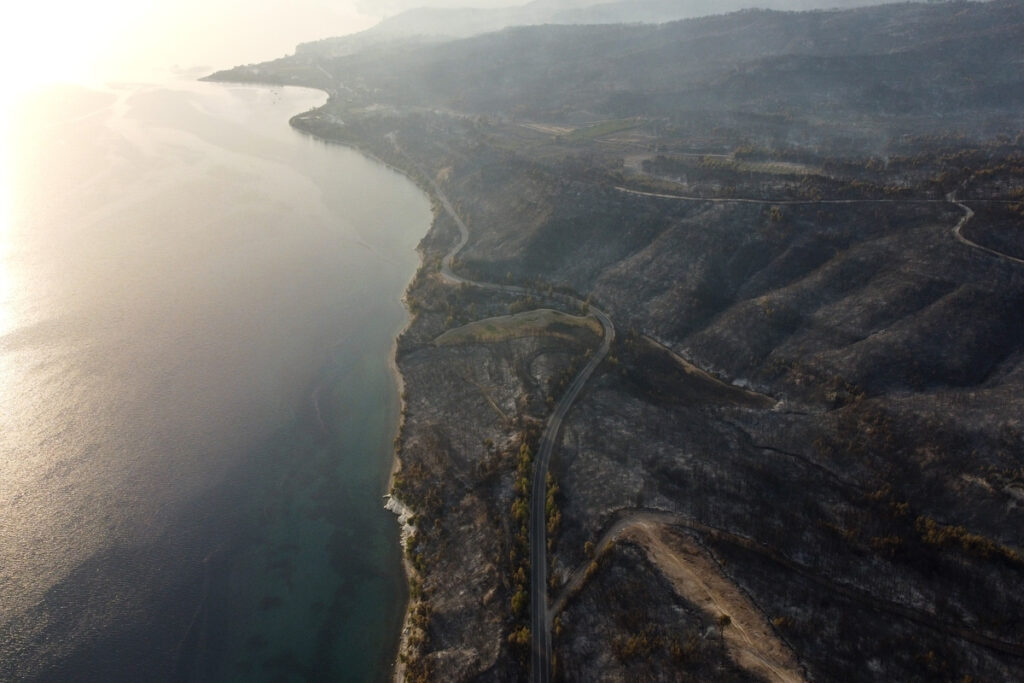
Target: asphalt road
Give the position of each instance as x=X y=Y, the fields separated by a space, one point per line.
x=958 y=231
x=540 y=622
x=540 y=613
x=950 y=198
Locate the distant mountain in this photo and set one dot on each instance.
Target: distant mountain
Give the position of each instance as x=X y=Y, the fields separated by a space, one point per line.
x=940 y=61
x=431 y=24
x=907 y=59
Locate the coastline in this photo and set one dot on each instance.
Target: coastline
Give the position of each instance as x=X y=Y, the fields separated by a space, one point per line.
x=392 y=503
x=403 y=515
x=399 y=379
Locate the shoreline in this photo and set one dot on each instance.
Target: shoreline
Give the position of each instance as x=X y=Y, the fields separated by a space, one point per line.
x=392 y=503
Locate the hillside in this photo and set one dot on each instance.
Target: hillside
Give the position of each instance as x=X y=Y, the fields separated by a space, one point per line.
x=804 y=456
x=434 y=24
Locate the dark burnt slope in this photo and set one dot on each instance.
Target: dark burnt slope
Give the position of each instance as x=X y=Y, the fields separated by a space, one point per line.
x=905 y=58
x=772 y=198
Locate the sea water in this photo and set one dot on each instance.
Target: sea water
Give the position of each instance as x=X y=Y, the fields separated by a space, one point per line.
x=197 y=306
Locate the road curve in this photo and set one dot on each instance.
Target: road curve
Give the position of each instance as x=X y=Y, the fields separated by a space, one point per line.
x=540 y=621
x=950 y=198
x=540 y=617
x=774 y=202
x=958 y=231
x=540 y=613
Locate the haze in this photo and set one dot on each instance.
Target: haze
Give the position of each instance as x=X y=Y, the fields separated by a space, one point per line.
x=126 y=39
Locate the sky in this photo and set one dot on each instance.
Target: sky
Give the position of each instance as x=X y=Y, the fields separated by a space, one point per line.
x=84 y=41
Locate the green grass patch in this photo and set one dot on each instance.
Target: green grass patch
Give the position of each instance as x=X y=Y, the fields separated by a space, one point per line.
x=541 y=322
x=599 y=130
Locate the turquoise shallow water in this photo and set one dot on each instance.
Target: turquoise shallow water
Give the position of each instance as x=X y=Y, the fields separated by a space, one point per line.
x=197 y=306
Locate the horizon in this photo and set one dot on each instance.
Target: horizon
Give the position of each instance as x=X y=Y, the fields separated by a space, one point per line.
x=118 y=40
x=111 y=41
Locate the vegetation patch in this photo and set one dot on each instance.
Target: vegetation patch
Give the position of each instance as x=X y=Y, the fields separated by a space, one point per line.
x=536 y=323
x=599 y=130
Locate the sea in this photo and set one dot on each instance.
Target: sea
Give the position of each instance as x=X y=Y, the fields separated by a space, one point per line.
x=197 y=310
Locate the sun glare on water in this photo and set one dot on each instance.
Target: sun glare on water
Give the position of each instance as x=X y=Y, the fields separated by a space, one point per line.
x=67 y=41
x=64 y=42
x=103 y=42
x=44 y=43
x=41 y=44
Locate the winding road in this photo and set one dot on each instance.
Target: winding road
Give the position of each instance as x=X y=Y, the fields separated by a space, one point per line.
x=950 y=199
x=958 y=230
x=773 y=202
x=540 y=613
x=540 y=618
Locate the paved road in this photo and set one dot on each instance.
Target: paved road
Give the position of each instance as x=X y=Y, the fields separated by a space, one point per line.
x=958 y=231
x=950 y=198
x=774 y=202
x=540 y=613
x=540 y=618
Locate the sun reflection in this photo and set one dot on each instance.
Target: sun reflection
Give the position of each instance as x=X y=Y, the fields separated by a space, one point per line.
x=61 y=42
x=90 y=42
x=96 y=43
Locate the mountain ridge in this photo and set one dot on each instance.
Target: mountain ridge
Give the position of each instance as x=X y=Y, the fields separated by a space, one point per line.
x=433 y=24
